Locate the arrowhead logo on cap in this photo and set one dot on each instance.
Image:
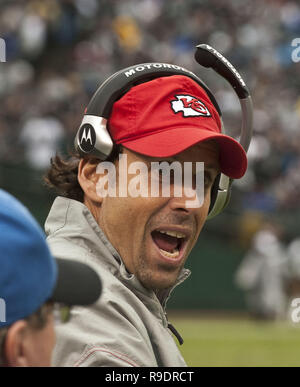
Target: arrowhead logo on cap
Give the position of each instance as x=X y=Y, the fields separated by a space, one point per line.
x=189 y=106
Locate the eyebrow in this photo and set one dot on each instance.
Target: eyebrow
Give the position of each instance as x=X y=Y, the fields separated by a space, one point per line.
x=212 y=167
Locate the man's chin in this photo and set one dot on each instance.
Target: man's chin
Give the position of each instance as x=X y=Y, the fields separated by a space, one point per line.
x=157 y=281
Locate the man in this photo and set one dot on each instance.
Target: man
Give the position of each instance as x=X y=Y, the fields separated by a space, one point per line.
x=139 y=243
x=263 y=274
x=31 y=281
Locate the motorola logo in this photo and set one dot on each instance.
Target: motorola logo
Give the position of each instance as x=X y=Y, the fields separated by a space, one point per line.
x=87 y=138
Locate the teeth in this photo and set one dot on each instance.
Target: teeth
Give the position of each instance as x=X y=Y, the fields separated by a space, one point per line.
x=173 y=233
x=175 y=253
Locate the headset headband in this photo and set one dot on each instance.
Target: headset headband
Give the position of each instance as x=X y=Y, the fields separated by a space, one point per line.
x=119 y=83
x=207 y=56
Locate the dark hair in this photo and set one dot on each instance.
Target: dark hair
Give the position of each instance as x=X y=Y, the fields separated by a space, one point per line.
x=37 y=320
x=62 y=174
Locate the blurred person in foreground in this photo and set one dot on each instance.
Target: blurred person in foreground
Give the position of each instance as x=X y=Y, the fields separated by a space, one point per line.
x=140 y=244
x=31 y=282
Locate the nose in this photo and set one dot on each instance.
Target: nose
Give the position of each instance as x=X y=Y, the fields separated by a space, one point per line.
x=191 y=201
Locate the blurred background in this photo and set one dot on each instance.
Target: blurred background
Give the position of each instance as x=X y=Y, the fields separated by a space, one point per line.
x=246 y=265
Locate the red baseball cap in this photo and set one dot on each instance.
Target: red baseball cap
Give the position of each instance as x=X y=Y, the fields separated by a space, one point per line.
x=167 y=115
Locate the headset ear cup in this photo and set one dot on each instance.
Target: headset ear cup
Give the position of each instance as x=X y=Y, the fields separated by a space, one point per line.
x=93 y=138
x=227 y=198
x=220 y=195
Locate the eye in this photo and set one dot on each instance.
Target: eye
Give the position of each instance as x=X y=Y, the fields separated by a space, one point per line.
x=208 y=179
x=171 y=176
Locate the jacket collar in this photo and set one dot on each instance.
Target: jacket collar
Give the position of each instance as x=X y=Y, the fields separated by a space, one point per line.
x=72 y=219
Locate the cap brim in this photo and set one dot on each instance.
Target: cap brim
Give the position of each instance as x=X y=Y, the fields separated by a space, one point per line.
x=232 y=157
x=77 y=283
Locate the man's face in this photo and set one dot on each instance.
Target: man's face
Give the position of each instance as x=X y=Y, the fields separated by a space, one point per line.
x=154 y=235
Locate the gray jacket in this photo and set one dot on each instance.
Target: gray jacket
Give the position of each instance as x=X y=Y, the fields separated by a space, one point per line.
x=127 y=326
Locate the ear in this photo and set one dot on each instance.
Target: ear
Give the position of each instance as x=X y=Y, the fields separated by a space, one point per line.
x=14 y=348
x=88 y=178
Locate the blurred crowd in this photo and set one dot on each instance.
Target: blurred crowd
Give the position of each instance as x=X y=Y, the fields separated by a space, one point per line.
x=58 y=52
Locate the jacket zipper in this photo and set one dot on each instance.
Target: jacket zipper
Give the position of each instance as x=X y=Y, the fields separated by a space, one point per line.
x=174 y=331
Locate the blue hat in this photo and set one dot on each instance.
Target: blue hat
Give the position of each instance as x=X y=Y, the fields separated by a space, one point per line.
x=29 y=275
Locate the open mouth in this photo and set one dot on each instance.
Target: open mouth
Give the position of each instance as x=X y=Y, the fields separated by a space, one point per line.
x=169 y=242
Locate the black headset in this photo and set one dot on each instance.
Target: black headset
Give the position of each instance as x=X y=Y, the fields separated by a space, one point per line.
x=93 y=137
